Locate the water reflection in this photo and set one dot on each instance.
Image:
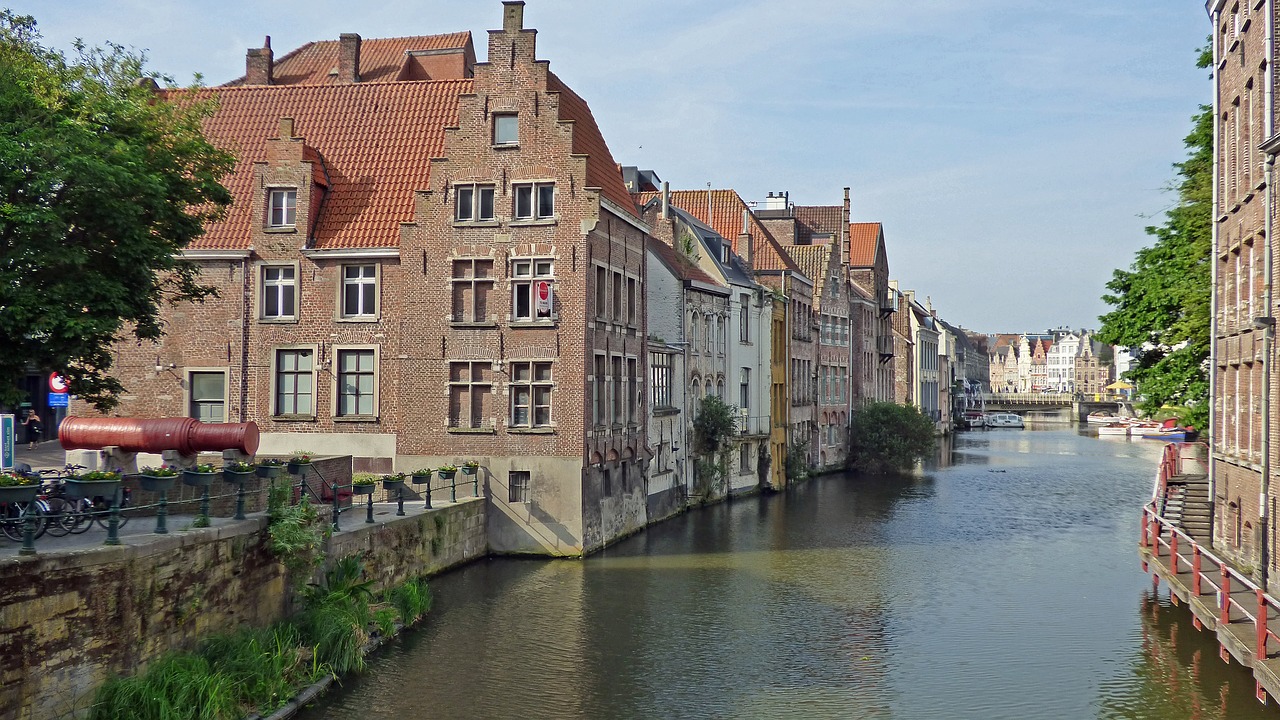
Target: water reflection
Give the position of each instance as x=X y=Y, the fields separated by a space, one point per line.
x=1002 y=581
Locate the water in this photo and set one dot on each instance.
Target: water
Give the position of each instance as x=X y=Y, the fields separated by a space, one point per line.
x=1002 y=582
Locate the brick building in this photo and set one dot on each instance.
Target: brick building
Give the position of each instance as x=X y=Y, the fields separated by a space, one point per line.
x=429 y=260
x=869 y=270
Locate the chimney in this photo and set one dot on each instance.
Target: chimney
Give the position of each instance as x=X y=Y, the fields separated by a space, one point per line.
x=666 y=200
x=744 y=238
x=259 y=64
x=285 y=128
x=513 y=15
x=348 y=58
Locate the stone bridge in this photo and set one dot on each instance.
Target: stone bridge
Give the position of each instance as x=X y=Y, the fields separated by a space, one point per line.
x=1075 y=407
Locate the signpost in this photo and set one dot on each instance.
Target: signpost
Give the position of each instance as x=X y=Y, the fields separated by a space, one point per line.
x=58 y=391
x=7 y=429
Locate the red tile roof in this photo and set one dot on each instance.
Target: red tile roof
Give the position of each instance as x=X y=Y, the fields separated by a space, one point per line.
x=381 y=59
x=864 y=238
x=683 y=267
x=724 y=215
x=602 y=171
x=376 y=140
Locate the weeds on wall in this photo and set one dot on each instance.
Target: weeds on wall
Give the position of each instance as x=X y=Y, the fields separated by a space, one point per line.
x=797 y=467
x=231 y=676
x=295 y=533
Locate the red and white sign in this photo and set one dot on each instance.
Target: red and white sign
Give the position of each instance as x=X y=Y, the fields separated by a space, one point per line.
x=57 y=383
x=544 y=299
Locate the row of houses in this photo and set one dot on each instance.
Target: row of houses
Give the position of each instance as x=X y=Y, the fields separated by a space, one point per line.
x=1061 y=360
x=432 y=259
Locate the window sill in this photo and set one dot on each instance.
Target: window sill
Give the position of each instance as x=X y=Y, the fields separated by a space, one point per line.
x=471 y=431
x=355 y=418
x=283 y=229
x=293 y=418
x=534 y=222
x=476 y=223
x=664 y=411
x=530 y=324
x=505 y=146
x=474 y=325
x=358 y=319
x=532 y=431
x=278 y=321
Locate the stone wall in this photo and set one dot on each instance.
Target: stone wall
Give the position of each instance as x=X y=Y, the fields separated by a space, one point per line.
x=70 y=620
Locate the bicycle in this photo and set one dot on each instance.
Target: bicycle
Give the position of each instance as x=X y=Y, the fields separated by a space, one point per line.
x=13 y=518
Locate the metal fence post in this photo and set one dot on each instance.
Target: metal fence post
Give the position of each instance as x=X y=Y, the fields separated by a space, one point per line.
x=113 y=525
x=1261 y=622
x=162 y=513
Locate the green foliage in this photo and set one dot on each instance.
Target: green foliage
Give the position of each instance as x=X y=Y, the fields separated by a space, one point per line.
x=797 y=466
x=411 y=600
x=384 y=618
x=715 y=422
x=364 y=478
x=295 y=532
x=887 y=437
x=182 y=686
x=265 y=665
x=1162 y=302
x=101 y=188
x=337 y=616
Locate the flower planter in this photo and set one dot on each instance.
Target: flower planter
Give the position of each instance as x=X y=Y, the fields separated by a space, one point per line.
x=198 y=479
x=392 y=485
x=297 y=467
x=420 y=478
x=19 y=493
x=470 y=469
x=362 y=489
x=237 y=478
x=268 y=471
x=156 y=483
x=446 y=474
x=77 y=489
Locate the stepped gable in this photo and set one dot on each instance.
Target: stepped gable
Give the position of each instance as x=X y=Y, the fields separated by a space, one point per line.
x=602 y=171
x=863 y=239
x=375 y=138
x=682 y=266
x=813 y=261
x=724 y=215
x=420 y=57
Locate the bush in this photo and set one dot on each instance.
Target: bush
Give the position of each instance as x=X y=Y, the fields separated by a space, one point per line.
x=886 y=437
x=715 y=422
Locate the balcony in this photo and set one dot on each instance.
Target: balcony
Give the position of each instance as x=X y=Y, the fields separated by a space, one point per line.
x=888 y=303
x=884 y=346
x=753 y=424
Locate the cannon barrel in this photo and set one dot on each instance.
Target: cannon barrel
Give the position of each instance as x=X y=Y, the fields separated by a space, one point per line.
x=186 y=435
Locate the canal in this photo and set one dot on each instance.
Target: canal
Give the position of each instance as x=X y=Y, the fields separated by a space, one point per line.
x=1002 y=582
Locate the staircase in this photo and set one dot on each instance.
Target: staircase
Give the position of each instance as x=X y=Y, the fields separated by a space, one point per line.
x=1186 y=506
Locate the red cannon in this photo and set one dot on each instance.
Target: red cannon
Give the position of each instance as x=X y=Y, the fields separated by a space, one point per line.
x=186 y=435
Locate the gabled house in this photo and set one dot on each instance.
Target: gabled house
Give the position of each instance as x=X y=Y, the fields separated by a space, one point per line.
x=869 y=270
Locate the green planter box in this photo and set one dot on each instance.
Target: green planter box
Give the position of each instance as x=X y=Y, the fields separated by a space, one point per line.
x=198 y=479
x=469 y=469
x=157 y=483
x=19 y=493
x=420 y=479
x=77 y=489
x=269 y=471
x=393 y=485
x=363 y=489
x=446 y=474
x=237 y=478
x=297 y=467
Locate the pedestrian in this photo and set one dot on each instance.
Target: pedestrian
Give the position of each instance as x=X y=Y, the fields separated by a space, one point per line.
x=1191 y=434
x=34 y=428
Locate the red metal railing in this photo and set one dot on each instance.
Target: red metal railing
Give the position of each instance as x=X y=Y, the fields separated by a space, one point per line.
x=1164 y=540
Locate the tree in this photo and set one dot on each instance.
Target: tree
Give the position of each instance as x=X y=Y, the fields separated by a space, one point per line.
x=102 y=185
x=887 y=437
x=1162 y=301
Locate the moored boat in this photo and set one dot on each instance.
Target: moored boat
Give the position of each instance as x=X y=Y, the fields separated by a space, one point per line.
x=1099 y=417
x=1004 y=420
x=1116 y=428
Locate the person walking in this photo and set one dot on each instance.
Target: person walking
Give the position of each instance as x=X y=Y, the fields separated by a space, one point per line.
x=34 y=428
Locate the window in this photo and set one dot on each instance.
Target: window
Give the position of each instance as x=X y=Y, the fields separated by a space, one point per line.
x=531 y=394
x=744 y=458
x=660 y=379
x=295 y=381
x=744 y=389
x=359 y=291
x=505 y=129
x=355 y=383
x=535 y=201
x=602 y=291
x=693 y=332
x=617 y=297
x=518 y=486
x=599 y=379
x=279 y=293
x=631 y=301
x=617 y=389
x=473 y=202
x=472 y=282
x=282 y=208
x=744 y=317
x=532 y=290
x=469 y=389
x=208 y=396
x=633 y=378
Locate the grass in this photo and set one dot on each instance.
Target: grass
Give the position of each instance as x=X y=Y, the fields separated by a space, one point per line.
x=258 y=670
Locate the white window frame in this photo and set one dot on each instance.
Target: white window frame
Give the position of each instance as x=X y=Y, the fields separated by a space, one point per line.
x=475 y=191
x=335 y=399
x=276 y=412
x=523 y=283
x=515 y=137
x=535 y=189
x=285 y=201
x=343 y=283
x=532 y=385
x=188 y=387
x=263 y=283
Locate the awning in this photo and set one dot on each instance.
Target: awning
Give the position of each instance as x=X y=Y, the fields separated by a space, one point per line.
x=1119 y=385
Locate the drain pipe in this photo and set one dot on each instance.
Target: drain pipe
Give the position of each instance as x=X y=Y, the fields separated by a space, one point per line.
x=1268 y=320
x=1214 y=420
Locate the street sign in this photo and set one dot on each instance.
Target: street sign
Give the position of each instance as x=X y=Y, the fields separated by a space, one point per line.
x=57 y=399
x=57 y=383
x=7 y=428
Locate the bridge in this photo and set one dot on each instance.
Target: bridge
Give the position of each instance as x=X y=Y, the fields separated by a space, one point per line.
x=1056 y=404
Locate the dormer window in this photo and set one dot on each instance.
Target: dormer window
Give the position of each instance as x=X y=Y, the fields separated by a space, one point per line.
x=282 y=207
x=505 y=130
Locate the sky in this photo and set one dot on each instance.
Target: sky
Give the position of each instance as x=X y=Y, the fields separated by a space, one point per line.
x=1014 y=150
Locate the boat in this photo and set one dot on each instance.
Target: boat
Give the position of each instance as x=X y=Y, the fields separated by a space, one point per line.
x=1166 y=434
x=1115 y=428
x=1003 y=420
x=1101 y=418
x=974 y=419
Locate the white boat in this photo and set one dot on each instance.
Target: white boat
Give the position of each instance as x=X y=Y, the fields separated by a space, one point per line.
x=974 y=418
x=1114 y=429
x=1101 y=418
x=1004 y=420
